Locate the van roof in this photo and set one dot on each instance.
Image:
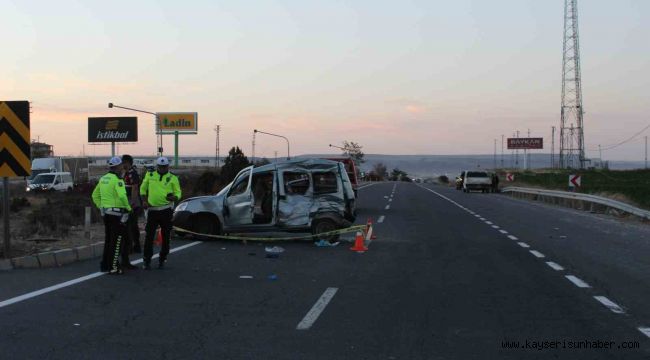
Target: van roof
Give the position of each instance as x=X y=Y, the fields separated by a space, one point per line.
x=300 y=164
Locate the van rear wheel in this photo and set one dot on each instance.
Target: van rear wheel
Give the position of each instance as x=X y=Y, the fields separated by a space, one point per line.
x=324 y=226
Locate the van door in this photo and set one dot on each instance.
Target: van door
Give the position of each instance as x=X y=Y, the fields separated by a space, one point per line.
x=296 y=198
x=238 y=204
x=56 y=185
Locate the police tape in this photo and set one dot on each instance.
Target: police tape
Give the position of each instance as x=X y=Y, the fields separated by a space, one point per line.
x=350 y=229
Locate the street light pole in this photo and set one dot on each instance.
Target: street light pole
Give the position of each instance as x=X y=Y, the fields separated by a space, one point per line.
x=276 y=135
x=157 y=123
x=338 y=147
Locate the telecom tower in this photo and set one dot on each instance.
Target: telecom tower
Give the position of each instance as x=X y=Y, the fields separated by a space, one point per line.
x=572 y=145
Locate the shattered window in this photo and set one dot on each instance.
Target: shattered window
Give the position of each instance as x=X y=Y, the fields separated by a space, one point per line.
x=296 y=183
x=240 y=187
x=325 y=183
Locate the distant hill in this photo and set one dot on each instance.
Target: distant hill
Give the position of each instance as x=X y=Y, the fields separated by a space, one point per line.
x=434 y=165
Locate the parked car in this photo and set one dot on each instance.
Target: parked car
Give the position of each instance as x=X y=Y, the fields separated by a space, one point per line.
x=54 y=181
x=305 y=195
x=476 y=180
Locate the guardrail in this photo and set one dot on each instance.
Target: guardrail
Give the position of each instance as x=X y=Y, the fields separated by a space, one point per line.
x=585 y=198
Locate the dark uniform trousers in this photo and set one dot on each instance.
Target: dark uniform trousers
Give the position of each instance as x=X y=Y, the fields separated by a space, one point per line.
x=162 y=218
x=133 y=232
x=113 y=228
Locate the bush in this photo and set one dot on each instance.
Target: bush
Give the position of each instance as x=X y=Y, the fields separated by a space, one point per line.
x=58 y=214
x=18 y=203
x=443 y=179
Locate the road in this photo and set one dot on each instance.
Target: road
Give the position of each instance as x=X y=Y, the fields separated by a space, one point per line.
x=450 y=276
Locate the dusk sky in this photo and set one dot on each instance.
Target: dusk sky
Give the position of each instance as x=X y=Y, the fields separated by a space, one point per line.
x=399 y=77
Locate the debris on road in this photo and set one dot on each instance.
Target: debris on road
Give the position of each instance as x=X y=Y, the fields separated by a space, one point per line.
x=272 y=277
x=323 y=243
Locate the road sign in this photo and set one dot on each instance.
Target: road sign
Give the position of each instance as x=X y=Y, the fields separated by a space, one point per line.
x=15 y=152
x=510 y=177
x=525 y=143
x=181 y=123
x=113 y=129
x=575 y=181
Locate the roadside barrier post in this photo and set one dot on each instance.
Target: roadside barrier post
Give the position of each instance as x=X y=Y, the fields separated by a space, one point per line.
x=87 y=222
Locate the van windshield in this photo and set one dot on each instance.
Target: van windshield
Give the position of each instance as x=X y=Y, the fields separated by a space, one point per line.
x=477 y=174
x=43 y=179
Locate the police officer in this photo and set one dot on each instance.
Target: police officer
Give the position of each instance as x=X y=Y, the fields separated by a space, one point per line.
x=160 y=190
x=110 y=197
x=132 y=183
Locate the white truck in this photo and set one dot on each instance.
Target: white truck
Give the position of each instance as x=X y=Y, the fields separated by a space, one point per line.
x=476 y=180
x=76 y=166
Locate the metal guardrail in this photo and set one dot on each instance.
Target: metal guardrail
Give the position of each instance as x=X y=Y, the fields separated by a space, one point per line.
x=645 y=214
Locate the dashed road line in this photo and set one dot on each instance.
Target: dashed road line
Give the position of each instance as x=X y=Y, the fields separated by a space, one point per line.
x=512 y=237
x=381 y=219
x=577 y=281
x=387 y=207
x=554 y=266
x=489 y=222
x=523 y=245
x=644 y=330
x=537 y=254
x=503 y=232
x=610 y=304
x=317 y=309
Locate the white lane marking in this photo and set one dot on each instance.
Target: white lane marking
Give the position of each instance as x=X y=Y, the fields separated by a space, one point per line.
x=495 y=227
x=387 y=207
x=477 y=215
x=481 y=218
x=512 y=237
x=385 y=197
x=503 y=232
x=317 y=309
x=537 y=254
x=78 y=280
x=365 y=186
x=489 y=222
x=577 y=281
x=645 y=330
x=610 y=304
x=381 y=219
x=390 y=200
x=523 y=245
x=554 y=266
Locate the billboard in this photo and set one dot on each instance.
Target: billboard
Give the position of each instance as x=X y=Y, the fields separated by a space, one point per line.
x=525 y=143
x=171 y=122
x=113 y=129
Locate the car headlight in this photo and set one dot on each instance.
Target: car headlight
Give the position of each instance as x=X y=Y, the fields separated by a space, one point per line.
x=28 y=189
x=181 y=207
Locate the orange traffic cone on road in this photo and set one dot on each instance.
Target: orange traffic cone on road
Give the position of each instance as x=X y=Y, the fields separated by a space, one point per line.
x=359 y=245
x=158 y=240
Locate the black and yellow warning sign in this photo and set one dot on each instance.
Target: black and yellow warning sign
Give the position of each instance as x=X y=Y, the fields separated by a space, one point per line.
x=15 y=158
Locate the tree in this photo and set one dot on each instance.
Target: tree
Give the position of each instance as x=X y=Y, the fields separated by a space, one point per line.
x=380 y=171
x=398 y=175
x=353 y=150
x=233 y=164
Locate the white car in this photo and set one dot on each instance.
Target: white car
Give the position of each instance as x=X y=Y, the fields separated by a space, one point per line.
x=55 y=181
x=476 y=180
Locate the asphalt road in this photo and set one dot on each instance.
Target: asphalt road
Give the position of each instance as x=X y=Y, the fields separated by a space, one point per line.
x=437 y=283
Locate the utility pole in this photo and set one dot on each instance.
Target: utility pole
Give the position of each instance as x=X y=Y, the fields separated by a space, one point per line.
x=495 y=154
x=552 y=147
x=217 y=162
x=502 y=155
x=517 y=154
x=253 y=155
x=571 y=111
x=600 y=153
x=646 y=151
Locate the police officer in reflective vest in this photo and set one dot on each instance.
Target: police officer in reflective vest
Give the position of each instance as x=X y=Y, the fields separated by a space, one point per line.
x=160 y=189
x=110 y=197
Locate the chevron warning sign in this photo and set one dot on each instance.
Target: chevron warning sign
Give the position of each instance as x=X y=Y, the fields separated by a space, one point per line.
x=15 y=157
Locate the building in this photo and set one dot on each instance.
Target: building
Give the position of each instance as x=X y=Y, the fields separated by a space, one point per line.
x=41 y=150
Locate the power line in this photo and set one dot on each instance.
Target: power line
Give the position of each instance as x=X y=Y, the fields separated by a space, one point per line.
x=631 y=138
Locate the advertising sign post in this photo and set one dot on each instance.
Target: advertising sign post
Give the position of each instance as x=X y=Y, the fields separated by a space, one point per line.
x=176 y=123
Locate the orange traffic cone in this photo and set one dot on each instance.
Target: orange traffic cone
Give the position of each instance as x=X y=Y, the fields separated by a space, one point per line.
x=359 y=245
x=158 y=240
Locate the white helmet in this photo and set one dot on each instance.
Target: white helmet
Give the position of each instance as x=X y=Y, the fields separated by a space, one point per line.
x=115 y=161
x=162 y=161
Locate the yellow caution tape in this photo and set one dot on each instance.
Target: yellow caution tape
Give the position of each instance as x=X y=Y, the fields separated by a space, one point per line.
x=229 y=237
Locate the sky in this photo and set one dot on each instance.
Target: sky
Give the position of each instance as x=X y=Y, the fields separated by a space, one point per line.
x=398 y=77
